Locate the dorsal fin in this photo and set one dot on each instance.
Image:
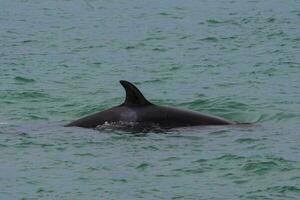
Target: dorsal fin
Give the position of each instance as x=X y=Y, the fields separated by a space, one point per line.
x=133 y=96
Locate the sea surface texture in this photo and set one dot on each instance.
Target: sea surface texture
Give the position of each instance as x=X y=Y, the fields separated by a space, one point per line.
x=63 y=59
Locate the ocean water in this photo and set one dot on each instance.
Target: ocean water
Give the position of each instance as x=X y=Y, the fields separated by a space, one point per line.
x=62 y=59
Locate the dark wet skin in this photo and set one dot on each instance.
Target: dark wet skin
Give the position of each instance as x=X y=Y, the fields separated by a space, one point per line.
x=137 y=109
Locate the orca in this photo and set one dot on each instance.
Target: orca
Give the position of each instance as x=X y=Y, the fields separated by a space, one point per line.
x=136 y=109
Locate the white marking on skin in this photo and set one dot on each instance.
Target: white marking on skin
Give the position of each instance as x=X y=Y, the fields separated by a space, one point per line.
x=129 y=116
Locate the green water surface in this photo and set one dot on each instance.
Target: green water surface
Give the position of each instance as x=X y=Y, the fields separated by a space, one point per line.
x=62 y=59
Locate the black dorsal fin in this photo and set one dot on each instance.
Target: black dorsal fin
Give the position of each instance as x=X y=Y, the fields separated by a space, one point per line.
x=133 y=96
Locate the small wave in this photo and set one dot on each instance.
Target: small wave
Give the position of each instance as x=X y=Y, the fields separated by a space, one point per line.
x=270 y=163
x=30 y=94
x=130 y=126
x=160 y=49
x=279 y=116
x=29 y=41
x=193 y=171
x=143 y=166
x=260 y=167
x=271 y=19
x=284 y=189
x=247 y=140
x=172 y=158
x=130 y=47
x=24 y=79
x=36 y=117
x=230 y=157
x=164 y=14
x=185 y=37
x=85 y=155
x=216 y=22
x=210 y=39
x=213 y=21
x=155 y=38
x=155 y=80
x=3 y=123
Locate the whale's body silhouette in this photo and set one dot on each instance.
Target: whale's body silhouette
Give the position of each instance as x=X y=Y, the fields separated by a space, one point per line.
x=137 y=109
